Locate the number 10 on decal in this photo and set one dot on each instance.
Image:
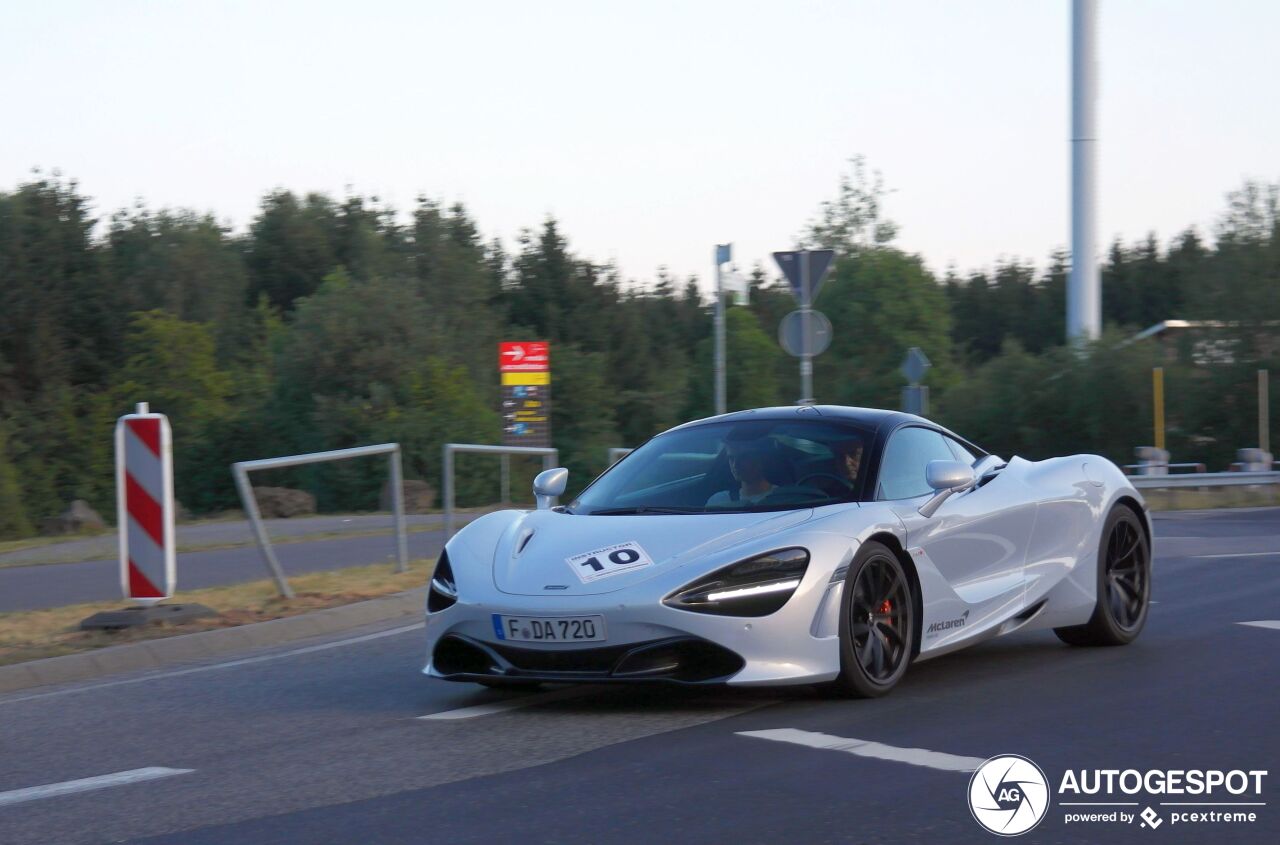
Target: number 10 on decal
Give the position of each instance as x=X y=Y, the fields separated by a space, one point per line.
x=611 y=560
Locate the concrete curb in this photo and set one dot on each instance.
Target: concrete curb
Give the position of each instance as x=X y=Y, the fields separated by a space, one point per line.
x=186 y=648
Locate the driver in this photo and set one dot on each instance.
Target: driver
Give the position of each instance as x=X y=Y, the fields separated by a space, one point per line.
x=847 y=461
x=746 y=462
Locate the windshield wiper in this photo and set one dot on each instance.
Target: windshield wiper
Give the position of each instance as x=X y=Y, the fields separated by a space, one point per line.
x=643 y=509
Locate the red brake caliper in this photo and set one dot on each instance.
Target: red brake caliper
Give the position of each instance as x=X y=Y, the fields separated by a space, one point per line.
x=885 y=608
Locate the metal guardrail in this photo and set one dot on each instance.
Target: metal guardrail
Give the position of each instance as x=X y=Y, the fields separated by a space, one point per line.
x=241 y=470
x=617 y=453
x=1205 y=479
x=1138 y=468
x=549 y=458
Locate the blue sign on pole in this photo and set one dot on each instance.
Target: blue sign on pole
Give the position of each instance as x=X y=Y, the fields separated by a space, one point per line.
x=724 y=253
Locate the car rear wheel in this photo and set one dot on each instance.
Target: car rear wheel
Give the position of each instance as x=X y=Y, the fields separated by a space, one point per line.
x=1124 y=585
x=877 y=623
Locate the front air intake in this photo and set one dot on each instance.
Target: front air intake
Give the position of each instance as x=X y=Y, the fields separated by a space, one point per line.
x=443 y=592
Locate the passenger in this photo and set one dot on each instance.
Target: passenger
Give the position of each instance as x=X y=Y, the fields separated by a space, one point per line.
x=746 y=462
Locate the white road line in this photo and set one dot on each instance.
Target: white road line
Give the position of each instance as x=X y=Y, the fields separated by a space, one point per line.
x=1263 y=623
x=70 y=787
x=866 y=748
x=505 y=705
x=1239 y=554
x=247 y=661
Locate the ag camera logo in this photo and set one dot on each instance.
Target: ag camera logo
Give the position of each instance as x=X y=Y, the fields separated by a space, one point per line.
x=1008 y=795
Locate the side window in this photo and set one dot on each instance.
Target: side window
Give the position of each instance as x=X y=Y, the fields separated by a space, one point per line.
x=962 y=454
x=908 y=452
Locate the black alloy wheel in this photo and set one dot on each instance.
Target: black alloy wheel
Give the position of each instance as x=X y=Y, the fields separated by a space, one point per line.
x=877 y=627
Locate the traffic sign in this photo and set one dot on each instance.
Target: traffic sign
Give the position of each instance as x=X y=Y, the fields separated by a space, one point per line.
x=809 y=265
x=915 y=364
x=791 y=333
x=915 y=399
x=523 y=357
x=144 y=503
x=525 y=371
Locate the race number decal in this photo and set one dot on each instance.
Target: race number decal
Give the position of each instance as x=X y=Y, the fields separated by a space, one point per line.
x=611 y=560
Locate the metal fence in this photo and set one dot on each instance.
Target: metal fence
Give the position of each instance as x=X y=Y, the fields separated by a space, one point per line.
x=241 y=470
x=1205 y=479
x=549 y=459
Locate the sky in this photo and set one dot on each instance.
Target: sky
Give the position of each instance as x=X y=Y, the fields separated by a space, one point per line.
x=654 y=130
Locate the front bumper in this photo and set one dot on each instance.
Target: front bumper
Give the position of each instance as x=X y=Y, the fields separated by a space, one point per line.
x=678 y=660
x=798 y=644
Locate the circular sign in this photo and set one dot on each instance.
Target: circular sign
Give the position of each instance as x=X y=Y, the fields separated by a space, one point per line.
x=1008 y=795
x=790 y=333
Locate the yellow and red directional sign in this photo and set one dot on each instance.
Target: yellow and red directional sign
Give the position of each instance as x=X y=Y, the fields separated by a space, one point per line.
x=144 y=505
x=525 y=368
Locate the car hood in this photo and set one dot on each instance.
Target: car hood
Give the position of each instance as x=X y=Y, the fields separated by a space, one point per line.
x=531 y=557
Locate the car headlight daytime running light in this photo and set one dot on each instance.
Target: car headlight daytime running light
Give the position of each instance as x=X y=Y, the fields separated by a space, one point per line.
x=757 y=586
x=443 y=592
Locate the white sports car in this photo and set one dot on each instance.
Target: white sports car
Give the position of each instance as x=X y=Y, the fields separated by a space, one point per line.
x=790 y=546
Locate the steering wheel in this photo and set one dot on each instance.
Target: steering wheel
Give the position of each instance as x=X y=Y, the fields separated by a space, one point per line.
x=842 y=482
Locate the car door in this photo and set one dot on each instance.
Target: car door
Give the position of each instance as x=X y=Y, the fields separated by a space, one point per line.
x=976 y=542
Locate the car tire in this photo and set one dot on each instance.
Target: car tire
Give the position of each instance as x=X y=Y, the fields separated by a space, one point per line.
x=877 y=645
x=1123 y=584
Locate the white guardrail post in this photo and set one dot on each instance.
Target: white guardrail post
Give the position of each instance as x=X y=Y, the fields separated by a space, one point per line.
x=241 y=469
x=549 y=456
x=617 y=453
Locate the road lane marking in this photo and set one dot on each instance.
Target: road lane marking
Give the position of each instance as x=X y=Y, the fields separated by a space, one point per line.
x=867 y=748
x=1263 y=623
x=503 y=706
x=70 y=787
x=246 y=661
x=1238 y=554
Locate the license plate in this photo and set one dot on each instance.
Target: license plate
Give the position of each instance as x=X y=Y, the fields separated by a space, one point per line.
x=549 y=629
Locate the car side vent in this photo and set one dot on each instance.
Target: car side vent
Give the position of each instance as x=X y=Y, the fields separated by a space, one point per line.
x=524 y=541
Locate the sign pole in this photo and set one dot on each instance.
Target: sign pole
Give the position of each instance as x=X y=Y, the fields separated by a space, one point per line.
x=806 y=314
x=1264 y=411
x=720 y=386
x=1157 y=396
x=723 y=254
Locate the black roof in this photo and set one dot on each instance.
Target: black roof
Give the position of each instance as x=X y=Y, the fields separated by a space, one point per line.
x=873 y=418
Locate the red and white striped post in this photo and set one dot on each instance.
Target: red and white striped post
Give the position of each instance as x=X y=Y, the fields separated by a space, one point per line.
x=144 y=506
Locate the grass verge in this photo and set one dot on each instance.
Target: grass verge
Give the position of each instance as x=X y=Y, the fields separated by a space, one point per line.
x=1210 y=498
x=35 y=634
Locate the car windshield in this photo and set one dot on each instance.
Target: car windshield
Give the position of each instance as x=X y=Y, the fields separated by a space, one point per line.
x=732 y=467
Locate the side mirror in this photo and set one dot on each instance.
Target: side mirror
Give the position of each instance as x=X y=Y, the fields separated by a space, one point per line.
x=549 y=485
x=948 y=475
x=946 y=478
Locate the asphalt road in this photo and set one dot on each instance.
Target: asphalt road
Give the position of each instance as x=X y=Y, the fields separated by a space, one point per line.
x=55 y=584
x=325 y=744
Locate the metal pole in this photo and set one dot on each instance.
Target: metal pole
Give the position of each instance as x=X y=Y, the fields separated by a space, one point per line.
x=806 y=357
x=1157 y=402
x=448 y=492
x=505 y=462
x=1264 y=410
x=397 y=507
x=1084 y=299
x=255 y=519
x=719 y=320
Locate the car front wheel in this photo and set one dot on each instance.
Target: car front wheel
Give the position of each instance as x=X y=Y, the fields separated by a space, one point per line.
x=877 y=623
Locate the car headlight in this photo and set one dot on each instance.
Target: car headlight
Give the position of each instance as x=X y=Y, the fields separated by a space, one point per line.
x=443 y=592
x=757 y=586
